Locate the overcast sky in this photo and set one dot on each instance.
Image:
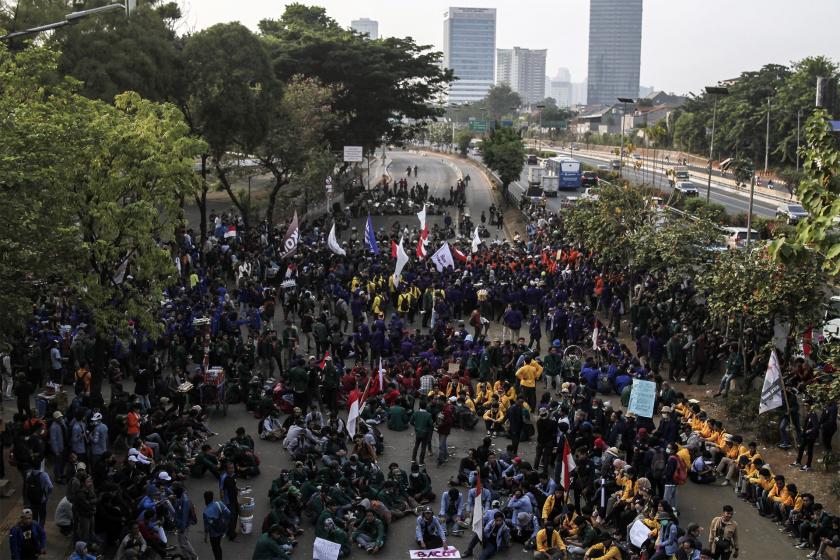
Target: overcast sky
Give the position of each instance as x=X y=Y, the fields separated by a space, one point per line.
x=686 y=44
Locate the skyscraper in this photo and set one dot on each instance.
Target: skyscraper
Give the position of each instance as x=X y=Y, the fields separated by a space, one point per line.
x=469 y=49
x=524 y=71
x=366 y=25
x=615 y=45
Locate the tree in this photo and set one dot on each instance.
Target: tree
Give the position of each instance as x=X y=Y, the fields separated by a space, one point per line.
x=744 y=170
x=382 y=85
x=462 y=139
x=818 y=192
x=500 y=99
x=231 y=92
x=671 y=243
x=89 y=196
x=504 y=153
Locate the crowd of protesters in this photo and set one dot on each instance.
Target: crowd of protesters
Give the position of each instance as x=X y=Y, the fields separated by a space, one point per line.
x=520 y=341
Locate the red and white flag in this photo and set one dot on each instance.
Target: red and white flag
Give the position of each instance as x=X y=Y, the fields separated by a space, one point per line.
x=478 y=509
x=355 y=411
x=324 y=360
x=381 y=377
x=567 y=466
x=393 y=249
x=231 y=232
x=595 y=332
x=424 y=234
x=457 y=254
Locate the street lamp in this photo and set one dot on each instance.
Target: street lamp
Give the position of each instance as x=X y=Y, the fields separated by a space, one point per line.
x=540 y=106
x=74 y=17
x=716 y=92
x=767 y=139
x=798 y=117
x=625 y=101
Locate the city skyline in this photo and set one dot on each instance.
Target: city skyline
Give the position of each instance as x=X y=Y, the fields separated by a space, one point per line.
x=685 y=45
x=615 y=45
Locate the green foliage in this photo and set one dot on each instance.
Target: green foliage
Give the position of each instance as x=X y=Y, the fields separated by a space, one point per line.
x=743 y=169
x=504 y=153
x=748 y=284
x=381 y=85
x=671 y=243
x=462 y=140
x=791 y=178
x=818 y=192
x=89 y=196
x=500 y=100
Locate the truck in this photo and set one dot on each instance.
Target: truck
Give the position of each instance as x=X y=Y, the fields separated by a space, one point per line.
x=535 y=175
x=550 y=185
x=677 y=173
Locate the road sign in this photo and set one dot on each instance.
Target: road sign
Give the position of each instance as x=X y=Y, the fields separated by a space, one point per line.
x=507 y=122
x=353 y=153
x=328 y=184
x=478 y=126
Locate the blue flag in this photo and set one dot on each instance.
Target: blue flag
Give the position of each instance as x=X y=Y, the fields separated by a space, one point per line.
x=370 y=238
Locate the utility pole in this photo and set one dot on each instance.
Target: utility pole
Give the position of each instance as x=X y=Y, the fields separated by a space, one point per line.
x=767 y=140
x=625 y=101
x=716 y=91
x=798 y=117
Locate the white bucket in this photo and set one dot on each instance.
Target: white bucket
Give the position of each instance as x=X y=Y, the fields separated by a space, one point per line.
x=246 y=524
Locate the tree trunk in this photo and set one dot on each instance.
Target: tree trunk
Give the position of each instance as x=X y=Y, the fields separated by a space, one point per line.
x=201 y=200
x=223 y=178
x=279 y=182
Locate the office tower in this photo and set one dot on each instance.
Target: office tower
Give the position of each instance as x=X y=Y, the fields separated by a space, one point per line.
x=615 y=44
x=469 y=49
x=366 y=25
x=560 y=88
x=524 y=71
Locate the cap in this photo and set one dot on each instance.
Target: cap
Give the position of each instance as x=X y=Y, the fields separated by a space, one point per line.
x=297 y=409
x=453 y=399
x=132 y=458
x=614 y=451
x=96 y=417
x=693 y=401
x=495 y=503
x=81 y=467
x=164 y=400
x=517 y=460
x=163 y=475
x=666 y=409
x=57 y=414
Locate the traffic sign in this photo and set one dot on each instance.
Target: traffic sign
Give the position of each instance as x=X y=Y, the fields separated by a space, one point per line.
x=478 y=126
x=328 y=184
x=507 y=122
x=353 y=153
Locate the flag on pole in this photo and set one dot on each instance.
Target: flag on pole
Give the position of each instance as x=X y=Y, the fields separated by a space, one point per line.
x=231 y=232
x=567 y=466
x=355 y=411
x=424 y=234
x=333 y=243
x=478 y=509
x=402 y=260
x=458 y=255
x=595 y=333
x=323 y=363
x=381 y=377
x=476 y=240
x=370 y=237
x=443 y=257
x=771 y=391
x=290 y=241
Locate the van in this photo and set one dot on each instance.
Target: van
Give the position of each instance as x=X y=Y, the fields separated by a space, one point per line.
x=736 y=237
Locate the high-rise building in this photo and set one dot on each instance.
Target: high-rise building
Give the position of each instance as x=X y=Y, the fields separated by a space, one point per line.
x=366 y=25
x=561 y=92
x=524 y=71
x=615 y=45
x=469 y=49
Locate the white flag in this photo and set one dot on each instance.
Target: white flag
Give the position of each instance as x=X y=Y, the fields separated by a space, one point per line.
x=421 y=215
x=333 y=243
x=352 y=418
x=476 y=240
x=443 y=257
x=595 y=332
x=402 y=260
x=771 y=391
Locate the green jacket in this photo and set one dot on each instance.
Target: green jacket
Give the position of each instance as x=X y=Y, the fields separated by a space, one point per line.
x=331 y=376
x=340 y=537
x=268 y=549
x=552 y=364
x=374 y=529
x=423 y=423
x=298 y=379
x=397 y=418
x=320 y=531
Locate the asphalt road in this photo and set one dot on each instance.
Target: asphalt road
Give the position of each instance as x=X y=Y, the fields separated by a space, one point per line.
x=734 y=203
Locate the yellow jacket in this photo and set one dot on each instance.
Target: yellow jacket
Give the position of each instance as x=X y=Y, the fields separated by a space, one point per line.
x=528 y=374
x=542 y=541
x=613 y=553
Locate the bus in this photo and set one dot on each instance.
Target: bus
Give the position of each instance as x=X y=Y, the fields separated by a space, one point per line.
x=567 y=169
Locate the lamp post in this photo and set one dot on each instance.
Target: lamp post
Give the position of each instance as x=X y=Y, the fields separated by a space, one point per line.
x=716 y=92
x=798 y=117
x=539 y=132
x=625 y=101
x=74 y=17
x=767 y=140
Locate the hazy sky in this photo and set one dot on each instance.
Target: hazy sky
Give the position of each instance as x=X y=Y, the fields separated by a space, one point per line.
x=686 y=44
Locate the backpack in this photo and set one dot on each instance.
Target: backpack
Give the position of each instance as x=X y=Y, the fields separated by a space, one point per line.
x=220 y=522
x=33 y=491
x=681 y=472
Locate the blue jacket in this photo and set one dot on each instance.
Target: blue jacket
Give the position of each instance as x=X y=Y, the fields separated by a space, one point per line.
x=502 y=537
x=182 y=512
x=57 y=437
x=434 y=528
x=16 y=539
x=446 y=504
x=668 y=538
x=99 y=439
x=213 y=512
x=518 y=505
x=77 y=438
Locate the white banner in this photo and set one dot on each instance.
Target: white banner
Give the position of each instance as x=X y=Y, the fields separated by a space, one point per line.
x=771 y=391
x=353 y=153
x=402 y=260
x=325 y=550
x=443 y=257
x=448 y=552
x=333 y=244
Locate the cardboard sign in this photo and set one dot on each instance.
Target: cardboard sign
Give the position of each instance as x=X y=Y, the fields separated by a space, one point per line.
x=448 y=552
x=642 y=398
x=325 y=550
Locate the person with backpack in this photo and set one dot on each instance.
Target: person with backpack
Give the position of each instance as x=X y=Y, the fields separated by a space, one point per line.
x=723 y=535
x=37 y=488
x=216 y=518
x=183 y=518
x=675 y=475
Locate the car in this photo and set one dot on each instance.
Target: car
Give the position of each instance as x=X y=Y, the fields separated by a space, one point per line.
x=637 y=157
x=532 y=160
x=589 y=179
x=603 y=167
x=615 y=164
x=736 y=237
x=792 y=213
x=686 y=189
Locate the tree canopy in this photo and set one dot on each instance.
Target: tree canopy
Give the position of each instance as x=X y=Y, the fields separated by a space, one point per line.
x=504 y=153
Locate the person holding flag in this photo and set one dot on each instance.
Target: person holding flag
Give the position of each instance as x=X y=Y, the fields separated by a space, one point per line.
x=370 y=237
x=424 y=234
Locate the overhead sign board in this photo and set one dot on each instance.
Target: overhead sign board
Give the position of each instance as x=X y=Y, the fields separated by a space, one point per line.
x=478 y=126
x=353 y=153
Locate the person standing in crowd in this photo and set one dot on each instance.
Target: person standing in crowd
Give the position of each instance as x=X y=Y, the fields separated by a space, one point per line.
x=216 y=523
x=723 y=535
x=423 y=428
x=27 y=538
x=183 y=517
x=810 y=435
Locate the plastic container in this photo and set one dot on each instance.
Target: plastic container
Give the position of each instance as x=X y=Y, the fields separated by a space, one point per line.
x=246 y=524
x=246 y=506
